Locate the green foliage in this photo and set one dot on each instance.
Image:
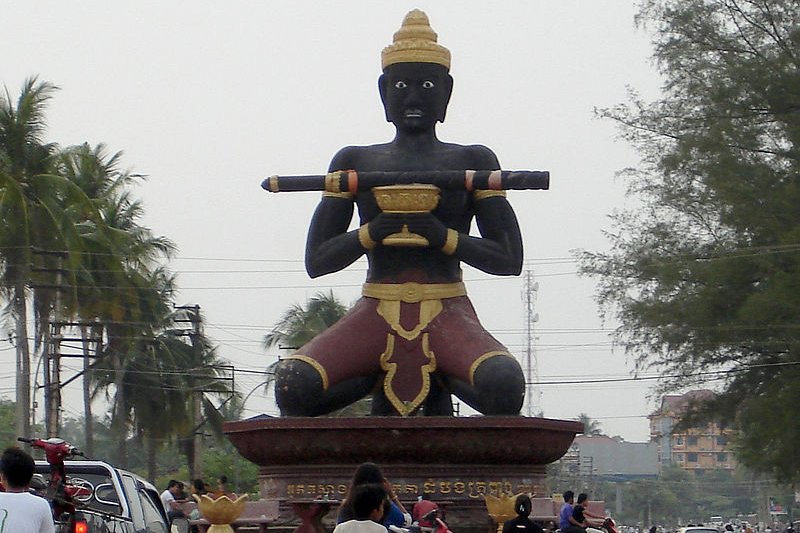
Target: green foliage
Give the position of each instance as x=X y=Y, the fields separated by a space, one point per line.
x=674 y=498
x=77 y=200
x=8 y=436
x=705 y=276
x=299 y=324
x=590 y=426
x=225 y=460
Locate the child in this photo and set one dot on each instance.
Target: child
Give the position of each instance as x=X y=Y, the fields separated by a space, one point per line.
x=21 y=511
x=367 y=504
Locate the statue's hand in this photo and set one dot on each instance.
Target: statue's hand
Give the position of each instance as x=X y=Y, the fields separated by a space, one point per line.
x=384 y=225
x=430 y=227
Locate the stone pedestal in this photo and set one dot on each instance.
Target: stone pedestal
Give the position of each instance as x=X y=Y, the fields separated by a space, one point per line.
x=453 y=461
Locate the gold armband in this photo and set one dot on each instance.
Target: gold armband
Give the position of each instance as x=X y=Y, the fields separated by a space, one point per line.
x=480 y=195
x=363 y=237
x=451 y=243
x=344 y=195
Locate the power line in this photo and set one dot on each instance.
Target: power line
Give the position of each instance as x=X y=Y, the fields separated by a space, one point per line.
x=720 y=373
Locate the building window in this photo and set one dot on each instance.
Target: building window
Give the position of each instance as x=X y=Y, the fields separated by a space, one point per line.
x=692 y=441
x=722 y=440
x=722 y=457
x=691 y=457
x=679 y=457
x=678 y=441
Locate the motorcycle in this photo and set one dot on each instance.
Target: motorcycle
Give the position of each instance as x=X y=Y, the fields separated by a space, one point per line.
x=609 y=526
x=427 y=518
x=65 y=494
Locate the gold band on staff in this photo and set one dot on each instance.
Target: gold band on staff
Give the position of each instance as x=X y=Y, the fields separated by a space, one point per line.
x=332 y=182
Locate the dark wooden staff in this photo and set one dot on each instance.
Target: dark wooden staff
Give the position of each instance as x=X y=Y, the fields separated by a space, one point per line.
x=469 y=180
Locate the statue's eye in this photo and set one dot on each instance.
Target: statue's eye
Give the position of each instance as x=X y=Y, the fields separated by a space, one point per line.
x=401 y=84
x=428 y=84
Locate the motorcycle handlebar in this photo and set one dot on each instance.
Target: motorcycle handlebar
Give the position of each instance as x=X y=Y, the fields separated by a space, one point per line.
x=53 y=444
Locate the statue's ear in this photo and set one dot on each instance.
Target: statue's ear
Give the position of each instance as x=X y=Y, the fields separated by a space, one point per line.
x=448 y=80
x=382 y=81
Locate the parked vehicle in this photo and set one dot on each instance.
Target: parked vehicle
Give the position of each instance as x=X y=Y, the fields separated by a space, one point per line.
x=93 y=496
x=120 y=501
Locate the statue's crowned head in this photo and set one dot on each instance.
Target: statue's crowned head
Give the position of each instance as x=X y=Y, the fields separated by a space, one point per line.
x=415 y=42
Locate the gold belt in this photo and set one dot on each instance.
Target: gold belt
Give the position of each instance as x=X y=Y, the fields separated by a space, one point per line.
x=413 y=292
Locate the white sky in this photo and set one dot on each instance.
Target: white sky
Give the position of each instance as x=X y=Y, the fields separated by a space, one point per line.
x=207 y=98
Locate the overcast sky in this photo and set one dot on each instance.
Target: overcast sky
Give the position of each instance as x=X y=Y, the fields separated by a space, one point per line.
x=208 y=98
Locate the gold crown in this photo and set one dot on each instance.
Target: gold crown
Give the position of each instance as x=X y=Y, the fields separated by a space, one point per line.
x=415 y=42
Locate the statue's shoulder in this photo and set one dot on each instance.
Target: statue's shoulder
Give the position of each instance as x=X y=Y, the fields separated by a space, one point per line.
x=474 y=156
x=357 y=157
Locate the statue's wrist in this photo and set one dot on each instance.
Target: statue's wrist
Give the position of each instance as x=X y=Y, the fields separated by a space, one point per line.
x=451 y=242
x=364 y=238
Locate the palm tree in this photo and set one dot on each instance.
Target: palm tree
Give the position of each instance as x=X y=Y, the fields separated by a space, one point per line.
x=204 y=380
x=22 y=155
x=32 y=200
x=590 y=427
x=298 y=325
x=165 y=387
x=138 y=312
x=110 y=246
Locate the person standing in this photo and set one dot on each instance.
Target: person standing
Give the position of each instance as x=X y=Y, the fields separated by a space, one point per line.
x=367 y=503
x=222 y=488
x=522 y=523
x=21 y=511
x=370 y=474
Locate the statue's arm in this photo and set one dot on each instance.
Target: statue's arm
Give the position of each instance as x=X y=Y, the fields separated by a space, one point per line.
x=329 y=246
x=499 y=249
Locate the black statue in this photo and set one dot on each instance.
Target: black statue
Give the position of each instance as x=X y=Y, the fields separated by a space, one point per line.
x=413 y=339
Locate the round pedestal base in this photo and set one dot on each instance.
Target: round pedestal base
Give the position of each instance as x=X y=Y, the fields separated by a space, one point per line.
x=452 y=461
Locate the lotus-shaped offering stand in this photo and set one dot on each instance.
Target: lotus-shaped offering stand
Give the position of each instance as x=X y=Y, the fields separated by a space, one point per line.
x=501 y=508
x=408 y=199
x=220 y=512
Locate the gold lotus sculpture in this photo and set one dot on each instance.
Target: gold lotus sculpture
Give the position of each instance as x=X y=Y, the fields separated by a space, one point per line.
x=220 y=512
x=501 y=508
x=411 y=198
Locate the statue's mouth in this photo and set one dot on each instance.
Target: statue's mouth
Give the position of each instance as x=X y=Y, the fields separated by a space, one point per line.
x=413 y=113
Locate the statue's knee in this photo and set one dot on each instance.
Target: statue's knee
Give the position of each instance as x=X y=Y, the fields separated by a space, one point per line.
x=297 y=385
x=501 y=383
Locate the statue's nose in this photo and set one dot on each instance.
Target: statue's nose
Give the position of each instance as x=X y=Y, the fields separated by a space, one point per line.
x=414 y=96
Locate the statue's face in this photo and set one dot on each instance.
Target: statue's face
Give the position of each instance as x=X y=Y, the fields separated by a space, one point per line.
x=415 y=95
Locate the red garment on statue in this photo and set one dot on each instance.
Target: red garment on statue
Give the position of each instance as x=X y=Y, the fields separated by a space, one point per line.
x=363 y=343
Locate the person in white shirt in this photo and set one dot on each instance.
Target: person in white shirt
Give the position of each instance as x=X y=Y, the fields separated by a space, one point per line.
x=367 y=502
x=21 y=511
x=172 y=498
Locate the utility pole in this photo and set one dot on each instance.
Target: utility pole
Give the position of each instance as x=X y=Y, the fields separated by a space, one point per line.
x=531 y=367
x=193 y=317
x=52 y=355
x=87 y=330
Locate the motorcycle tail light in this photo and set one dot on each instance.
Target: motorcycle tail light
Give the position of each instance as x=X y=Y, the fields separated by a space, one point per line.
x=81 y=526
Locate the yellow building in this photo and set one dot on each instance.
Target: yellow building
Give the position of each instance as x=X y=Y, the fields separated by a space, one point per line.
x=697 y=449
